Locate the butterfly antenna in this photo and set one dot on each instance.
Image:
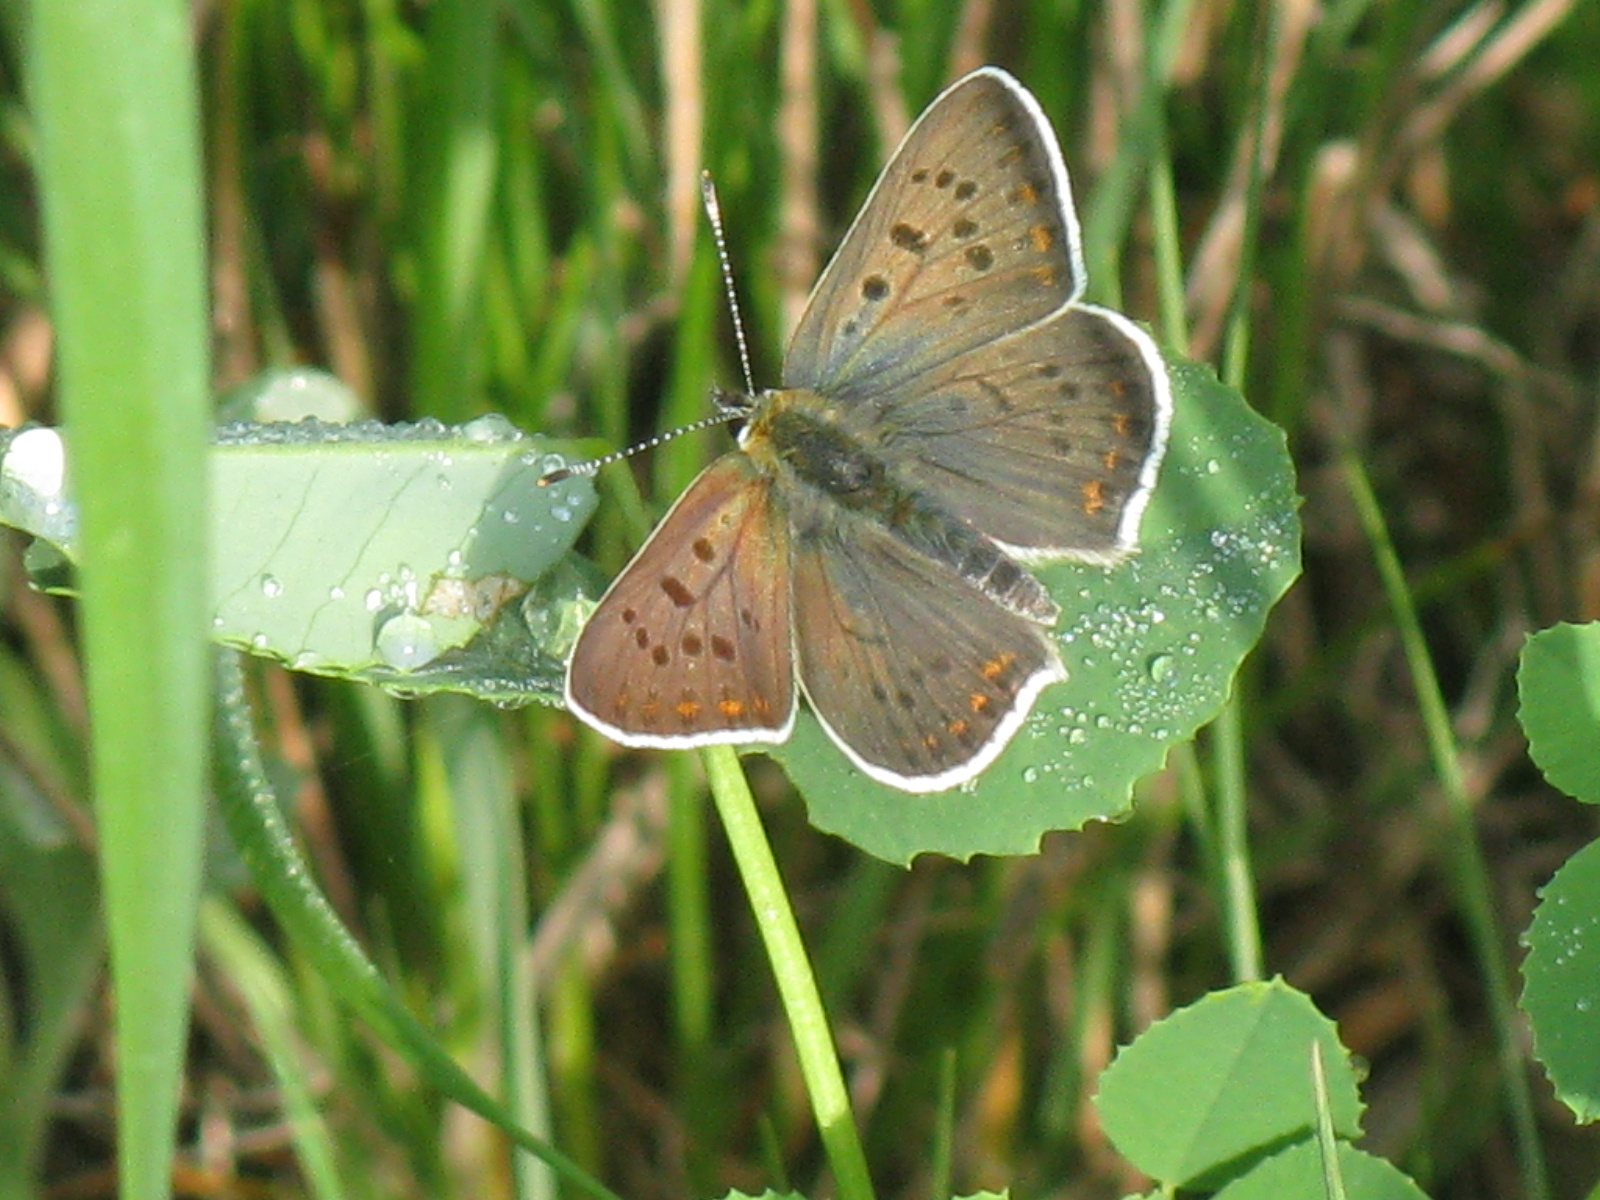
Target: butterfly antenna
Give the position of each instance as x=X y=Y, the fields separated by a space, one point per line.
x=708 y=197
x=730 y=406
x=590 y=466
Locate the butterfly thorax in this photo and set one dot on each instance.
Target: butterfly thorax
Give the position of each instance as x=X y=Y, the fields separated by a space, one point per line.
x=828 y=469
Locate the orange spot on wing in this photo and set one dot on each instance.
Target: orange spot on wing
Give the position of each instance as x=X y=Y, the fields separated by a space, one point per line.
x=1043 y=237
x=979 y=702
x=997 y=667
x=1046 y=275
x=731 y=708
x=687 y=709
x=1122 y=424
x=1111 y=459
x=958 y=728
x=1094 y=497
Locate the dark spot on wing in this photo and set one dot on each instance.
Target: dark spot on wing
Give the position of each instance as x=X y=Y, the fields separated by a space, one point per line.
x=908 y=237
x=995 y=392
x=874 y=287
x=704 y=550
x=676 y=592
x=964 y=228
x=980 y=258
x=966 y=190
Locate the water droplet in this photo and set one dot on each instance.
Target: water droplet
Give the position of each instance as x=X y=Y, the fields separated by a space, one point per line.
x=1161 y=667
x=271 y=587
x=406 y=642
x=491 y=427
x=1030 y=775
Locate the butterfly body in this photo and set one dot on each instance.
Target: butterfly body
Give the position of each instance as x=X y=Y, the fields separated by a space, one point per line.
x=833 y=471
x=950 y=415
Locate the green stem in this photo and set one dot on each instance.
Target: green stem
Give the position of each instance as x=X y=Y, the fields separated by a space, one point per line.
x=1233 y=844
x=1471 y=872
x=791 y=969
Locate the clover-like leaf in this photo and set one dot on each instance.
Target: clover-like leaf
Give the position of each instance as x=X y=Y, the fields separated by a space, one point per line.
x=1223 y=1082
x=1561 y=974
x=1558 y=682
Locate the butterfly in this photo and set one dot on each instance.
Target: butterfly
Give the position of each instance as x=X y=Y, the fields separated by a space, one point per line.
x=950 y=414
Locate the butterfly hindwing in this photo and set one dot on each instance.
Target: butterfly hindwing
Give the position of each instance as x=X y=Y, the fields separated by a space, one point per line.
x=1048 y=441
x=919 y=677
x=691 y=643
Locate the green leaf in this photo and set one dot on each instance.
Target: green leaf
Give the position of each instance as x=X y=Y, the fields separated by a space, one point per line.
x=369 y=550
x=1297 y=1172
x=1226 y=1080
x=1559 y=685
x=1562 y=982
x=419 y=557
x=1152 y=646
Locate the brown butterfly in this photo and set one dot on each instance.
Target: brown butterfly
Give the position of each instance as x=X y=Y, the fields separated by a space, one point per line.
x=950 y=414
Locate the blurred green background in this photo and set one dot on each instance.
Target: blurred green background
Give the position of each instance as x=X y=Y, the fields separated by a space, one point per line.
x=465 y=206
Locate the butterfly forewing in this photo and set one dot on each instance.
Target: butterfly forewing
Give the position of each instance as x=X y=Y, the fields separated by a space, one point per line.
x=691 y=644
x=1048 y=440
x=968 y=235
x=917 y=676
